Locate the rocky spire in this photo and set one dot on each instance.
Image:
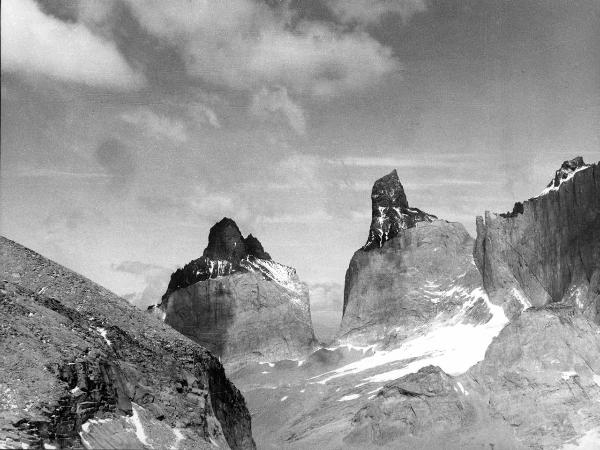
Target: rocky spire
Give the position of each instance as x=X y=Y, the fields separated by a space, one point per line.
x=223 y=255
x=390 y=211
x=566 y=171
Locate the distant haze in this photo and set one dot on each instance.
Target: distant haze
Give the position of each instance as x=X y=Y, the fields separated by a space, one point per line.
x=129 y=127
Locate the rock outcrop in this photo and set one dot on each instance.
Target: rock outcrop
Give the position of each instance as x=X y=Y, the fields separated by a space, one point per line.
x=412 y=268
x=548 y=248
x=238 y=302
x=83 y=367
x=390 y=211
x=538 y=387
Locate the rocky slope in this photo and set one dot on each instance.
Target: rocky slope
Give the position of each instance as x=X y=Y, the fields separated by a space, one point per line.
x=81 y=368
x=238 y=302
x=548 y=249
x=412 y=268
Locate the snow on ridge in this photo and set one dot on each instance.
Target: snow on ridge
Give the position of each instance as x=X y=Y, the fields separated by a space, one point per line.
x=348 y=397
x=452 y=345
x=285 y=276
x=551 y=186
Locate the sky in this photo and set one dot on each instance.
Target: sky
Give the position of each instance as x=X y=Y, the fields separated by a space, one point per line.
x=129 y=127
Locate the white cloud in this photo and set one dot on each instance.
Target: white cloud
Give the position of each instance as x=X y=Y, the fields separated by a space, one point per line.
x=372 y=11
x=244 y=44
x=269 y=104
x=204 y=114
x=157 y=125
x=35 y=43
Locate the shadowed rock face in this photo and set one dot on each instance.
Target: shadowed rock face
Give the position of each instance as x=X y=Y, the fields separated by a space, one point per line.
x=239 y=303
x=390 y=211
x=393 y=283
x=548 y=249
x=81 y=365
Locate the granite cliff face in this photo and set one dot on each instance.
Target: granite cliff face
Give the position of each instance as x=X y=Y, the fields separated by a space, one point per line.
x=412 y=268
x=238 y=302
x=548 y=249
x=82 y=367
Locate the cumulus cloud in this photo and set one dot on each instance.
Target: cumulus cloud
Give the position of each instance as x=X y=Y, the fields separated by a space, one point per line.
x=35 y=43
x=270 y=104
x=117 y=160
x=155 y=280
x=157 y=125
x=372 y=11
x=243 y=44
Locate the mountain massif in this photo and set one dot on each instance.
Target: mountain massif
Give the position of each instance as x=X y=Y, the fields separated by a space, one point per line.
x=239 y=303
x=445 y=341
x=413 y=268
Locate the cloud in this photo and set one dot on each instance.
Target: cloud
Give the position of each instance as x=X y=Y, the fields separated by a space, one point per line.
x=270 y=104
x=204 y=114
x=156 y=279
x=135 y=267
x=326 y=296
x=117 y=160
x=35 y=43
x=196 y=202
x=243 y=44
x=372 y=11
x=156 y=125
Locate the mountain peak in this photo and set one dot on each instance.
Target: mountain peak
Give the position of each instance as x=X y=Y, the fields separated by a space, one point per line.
x=390 y=211
x=225 y=241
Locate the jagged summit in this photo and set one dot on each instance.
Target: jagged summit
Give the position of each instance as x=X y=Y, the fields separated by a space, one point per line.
x=390 y=211
x=239 y=303
x=225 y=242
x=565 y=172
x=228 y=252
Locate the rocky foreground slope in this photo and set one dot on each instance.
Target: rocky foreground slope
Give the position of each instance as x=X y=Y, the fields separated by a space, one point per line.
x=413 y=268
x=548 y=248
x=81 y=368
x=239 y=303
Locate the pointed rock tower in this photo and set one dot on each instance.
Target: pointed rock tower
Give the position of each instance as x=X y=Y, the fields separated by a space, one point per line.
x=412 y=269
x=239 y=303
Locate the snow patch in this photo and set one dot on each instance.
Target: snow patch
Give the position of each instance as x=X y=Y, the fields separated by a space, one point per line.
x=179 y=436
x=589 y=441
x=137 y=423
x=523 y=300
x=551 y=187
x=452 y=345
x=596 y=379
x=567 y=375
x=346 y=398
x=283 y=275
x=284 y=398
x=103 y=333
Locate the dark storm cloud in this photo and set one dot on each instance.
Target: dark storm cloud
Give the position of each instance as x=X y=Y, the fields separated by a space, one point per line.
x=118 y=161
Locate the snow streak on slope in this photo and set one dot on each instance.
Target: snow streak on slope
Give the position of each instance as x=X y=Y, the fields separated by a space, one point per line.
x=452 y=345
x=283 y=275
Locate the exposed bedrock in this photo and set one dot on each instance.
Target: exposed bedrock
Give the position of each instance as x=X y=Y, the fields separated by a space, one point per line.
x=538 y=387
x=423 y=267
x=547 y=249
x=239 y=303
x=81 y=366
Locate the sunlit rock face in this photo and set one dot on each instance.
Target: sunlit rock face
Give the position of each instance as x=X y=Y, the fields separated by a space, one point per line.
x=239 y=303
x=548 y=249
x=83 y=368
x=412 y=269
